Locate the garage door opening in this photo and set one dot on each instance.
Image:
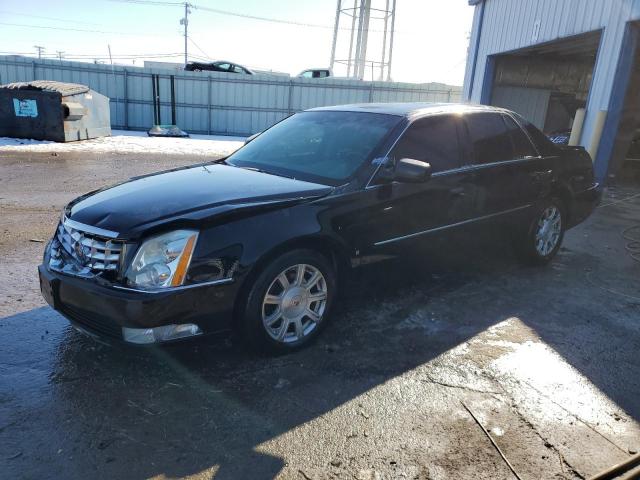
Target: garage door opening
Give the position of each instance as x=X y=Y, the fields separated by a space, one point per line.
x=547 y=83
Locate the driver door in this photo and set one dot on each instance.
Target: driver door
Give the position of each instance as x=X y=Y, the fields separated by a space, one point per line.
x=397 y=213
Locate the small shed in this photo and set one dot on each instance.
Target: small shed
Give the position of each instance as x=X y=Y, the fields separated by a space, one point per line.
x=48 y=110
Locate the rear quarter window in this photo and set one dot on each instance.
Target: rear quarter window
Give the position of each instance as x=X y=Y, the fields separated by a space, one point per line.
x=542 y=143
x=522 y=146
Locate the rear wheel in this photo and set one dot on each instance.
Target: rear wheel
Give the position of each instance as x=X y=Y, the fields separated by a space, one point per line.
x=539 y=242
x=289 y=301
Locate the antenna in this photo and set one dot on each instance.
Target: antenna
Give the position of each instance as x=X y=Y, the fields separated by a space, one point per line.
x=360 y=16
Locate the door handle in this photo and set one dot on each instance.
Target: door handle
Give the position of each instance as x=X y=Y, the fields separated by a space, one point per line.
x=458 y=192
x=541 y=174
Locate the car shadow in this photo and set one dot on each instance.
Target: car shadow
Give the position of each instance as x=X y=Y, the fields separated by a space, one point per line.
x=183 y=409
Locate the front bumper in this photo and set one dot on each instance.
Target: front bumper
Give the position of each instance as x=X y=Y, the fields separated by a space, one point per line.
x=102 y=311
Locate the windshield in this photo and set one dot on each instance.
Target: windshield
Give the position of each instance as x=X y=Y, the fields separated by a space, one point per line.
x=322 y=147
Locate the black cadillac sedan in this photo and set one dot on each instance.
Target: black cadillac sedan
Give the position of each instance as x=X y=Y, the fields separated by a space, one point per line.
x=256 y=241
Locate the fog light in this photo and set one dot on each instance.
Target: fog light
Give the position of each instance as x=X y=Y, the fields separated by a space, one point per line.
x=160 y=334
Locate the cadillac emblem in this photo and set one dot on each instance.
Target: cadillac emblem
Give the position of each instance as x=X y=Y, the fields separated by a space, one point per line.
x=81 y=252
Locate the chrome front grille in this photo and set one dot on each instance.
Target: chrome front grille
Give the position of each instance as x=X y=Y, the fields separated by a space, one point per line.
x=90 y=253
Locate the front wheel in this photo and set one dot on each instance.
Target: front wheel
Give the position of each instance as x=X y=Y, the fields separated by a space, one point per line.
x=541 y=240
x=289 y=301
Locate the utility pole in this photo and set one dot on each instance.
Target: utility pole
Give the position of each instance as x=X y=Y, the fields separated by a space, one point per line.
x=185 y=21
x=40 y=50
x=60 y=53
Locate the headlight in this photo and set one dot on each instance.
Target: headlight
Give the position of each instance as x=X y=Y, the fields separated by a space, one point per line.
x=162 y=261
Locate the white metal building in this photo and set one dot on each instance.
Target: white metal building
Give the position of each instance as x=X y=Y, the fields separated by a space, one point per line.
x=554 y=61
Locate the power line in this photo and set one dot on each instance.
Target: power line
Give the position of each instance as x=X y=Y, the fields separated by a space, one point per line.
x=239 y=15
x=55 y=19
x=99 y=56
x=151 y=2
x=198 y=47
x=184 y=21
x=59 y=28
x=122 y=57
x=224 y=12
x=264 y=19
x=83 y=30
x=40 y=50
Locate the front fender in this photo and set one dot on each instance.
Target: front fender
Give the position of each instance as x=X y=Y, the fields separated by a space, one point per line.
x=233 y=249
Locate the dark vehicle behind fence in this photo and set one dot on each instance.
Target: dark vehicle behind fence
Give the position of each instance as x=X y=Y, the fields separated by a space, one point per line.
x=256 y=242
x=220 y=66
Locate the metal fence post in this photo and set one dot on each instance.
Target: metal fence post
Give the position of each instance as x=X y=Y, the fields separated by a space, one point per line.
x=126 y=99
x=209 y=105
x=290 y=97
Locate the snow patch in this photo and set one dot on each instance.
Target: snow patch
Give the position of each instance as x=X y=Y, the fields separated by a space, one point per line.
x=122 y=141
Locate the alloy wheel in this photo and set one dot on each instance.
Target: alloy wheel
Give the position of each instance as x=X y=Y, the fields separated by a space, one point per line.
x=294 y=303
x=548 y=230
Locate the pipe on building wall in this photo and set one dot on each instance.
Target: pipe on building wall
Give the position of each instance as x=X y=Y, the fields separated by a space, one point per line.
x=596 y=135
x=624 y=69
x=576 y=128
x=476 y=48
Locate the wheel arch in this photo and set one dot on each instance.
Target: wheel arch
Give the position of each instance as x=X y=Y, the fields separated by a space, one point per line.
x=330 y=248
x=564 y=194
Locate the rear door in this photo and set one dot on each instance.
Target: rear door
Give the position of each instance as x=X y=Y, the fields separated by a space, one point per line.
x=532 y=172
x=493 y=157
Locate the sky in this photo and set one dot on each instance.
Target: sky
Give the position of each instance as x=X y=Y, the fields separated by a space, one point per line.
x=431 y=38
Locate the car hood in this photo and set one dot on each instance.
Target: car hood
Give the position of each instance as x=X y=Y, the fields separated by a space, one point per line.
x=191 y=194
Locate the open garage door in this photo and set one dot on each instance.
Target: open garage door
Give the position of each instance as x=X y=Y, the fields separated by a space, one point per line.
x=547 y=83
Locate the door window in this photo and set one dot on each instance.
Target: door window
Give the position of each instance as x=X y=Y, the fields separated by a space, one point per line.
x=433 y=140
x=489 y=138
x=223 y=67
x=521 y=144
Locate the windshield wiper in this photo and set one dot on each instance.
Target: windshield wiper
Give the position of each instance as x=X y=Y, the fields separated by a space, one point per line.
x=256 y=169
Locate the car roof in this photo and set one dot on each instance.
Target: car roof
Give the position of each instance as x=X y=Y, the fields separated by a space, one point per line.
x=409 y=110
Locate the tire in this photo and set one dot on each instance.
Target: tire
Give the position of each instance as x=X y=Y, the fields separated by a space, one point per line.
x=539 y=240
x=278 y=318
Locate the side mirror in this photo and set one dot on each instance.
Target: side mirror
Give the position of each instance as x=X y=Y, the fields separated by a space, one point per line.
x=409 y=170
x=252 y=138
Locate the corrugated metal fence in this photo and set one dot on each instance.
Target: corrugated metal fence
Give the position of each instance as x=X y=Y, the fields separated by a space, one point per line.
x=212 y=102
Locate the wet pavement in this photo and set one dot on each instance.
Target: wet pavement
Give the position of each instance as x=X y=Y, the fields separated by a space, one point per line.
x=546 y=359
